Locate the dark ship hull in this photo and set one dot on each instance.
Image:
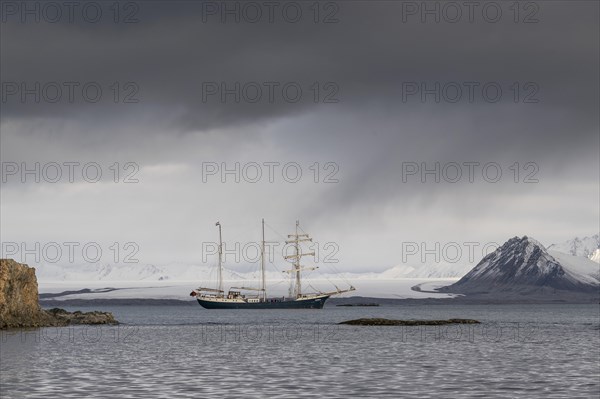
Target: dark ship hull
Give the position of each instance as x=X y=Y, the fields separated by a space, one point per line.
x=313 y=303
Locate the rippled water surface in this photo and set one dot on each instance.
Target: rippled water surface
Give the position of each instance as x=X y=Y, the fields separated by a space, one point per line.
x=550 y=351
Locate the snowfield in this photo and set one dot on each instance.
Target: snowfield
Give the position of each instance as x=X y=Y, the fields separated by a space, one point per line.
x=379 y=288
x=176 y=280
x=579 y=267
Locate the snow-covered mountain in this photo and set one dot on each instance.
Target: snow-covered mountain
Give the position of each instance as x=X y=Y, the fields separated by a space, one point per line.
x=586 y=247
x=203 y=273
x=523 y=264
x=137 y=272
x=595 y=257
x=100 y=272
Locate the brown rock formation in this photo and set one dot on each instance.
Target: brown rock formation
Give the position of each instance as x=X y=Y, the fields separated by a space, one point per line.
x=19 y=306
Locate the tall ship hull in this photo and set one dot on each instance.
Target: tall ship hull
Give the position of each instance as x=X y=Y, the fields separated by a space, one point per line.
x=311 y=303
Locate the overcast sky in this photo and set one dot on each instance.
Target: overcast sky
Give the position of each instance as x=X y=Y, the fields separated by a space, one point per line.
x=361 y=114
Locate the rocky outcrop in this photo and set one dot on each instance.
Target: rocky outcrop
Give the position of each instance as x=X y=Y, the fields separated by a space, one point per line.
x=64 y=318
x=389 y=322
x=19 y=306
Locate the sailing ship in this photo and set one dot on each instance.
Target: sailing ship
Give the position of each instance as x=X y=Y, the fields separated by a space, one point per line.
x=236 y=298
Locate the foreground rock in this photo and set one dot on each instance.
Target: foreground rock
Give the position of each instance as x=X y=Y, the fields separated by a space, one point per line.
x=64 y=318
x=19 y=306
x=388 y=322
x=358 y=304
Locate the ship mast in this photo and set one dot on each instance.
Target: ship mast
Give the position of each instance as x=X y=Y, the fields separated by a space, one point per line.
x=298 y=288
x=263 y=286
x=220 y=271
x=297 y=239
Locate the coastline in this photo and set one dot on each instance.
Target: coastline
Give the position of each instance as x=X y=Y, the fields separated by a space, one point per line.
x=330 y=303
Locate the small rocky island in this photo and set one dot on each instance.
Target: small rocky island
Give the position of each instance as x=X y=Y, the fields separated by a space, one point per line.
x=358 y=304
x=389 y=322
x=19 y=306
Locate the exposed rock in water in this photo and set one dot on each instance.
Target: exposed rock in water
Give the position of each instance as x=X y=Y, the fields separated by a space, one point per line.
x=389 y=322
x=358 y=304
x=67 y=318
x=19 y=306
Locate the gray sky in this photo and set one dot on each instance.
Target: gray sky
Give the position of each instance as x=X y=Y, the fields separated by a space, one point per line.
x=372 y=63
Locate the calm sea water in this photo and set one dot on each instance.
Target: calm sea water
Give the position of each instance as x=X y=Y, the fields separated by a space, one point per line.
x=550 y=351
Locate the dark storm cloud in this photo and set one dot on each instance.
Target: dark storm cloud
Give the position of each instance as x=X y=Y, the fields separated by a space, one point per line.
x=368 y=54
